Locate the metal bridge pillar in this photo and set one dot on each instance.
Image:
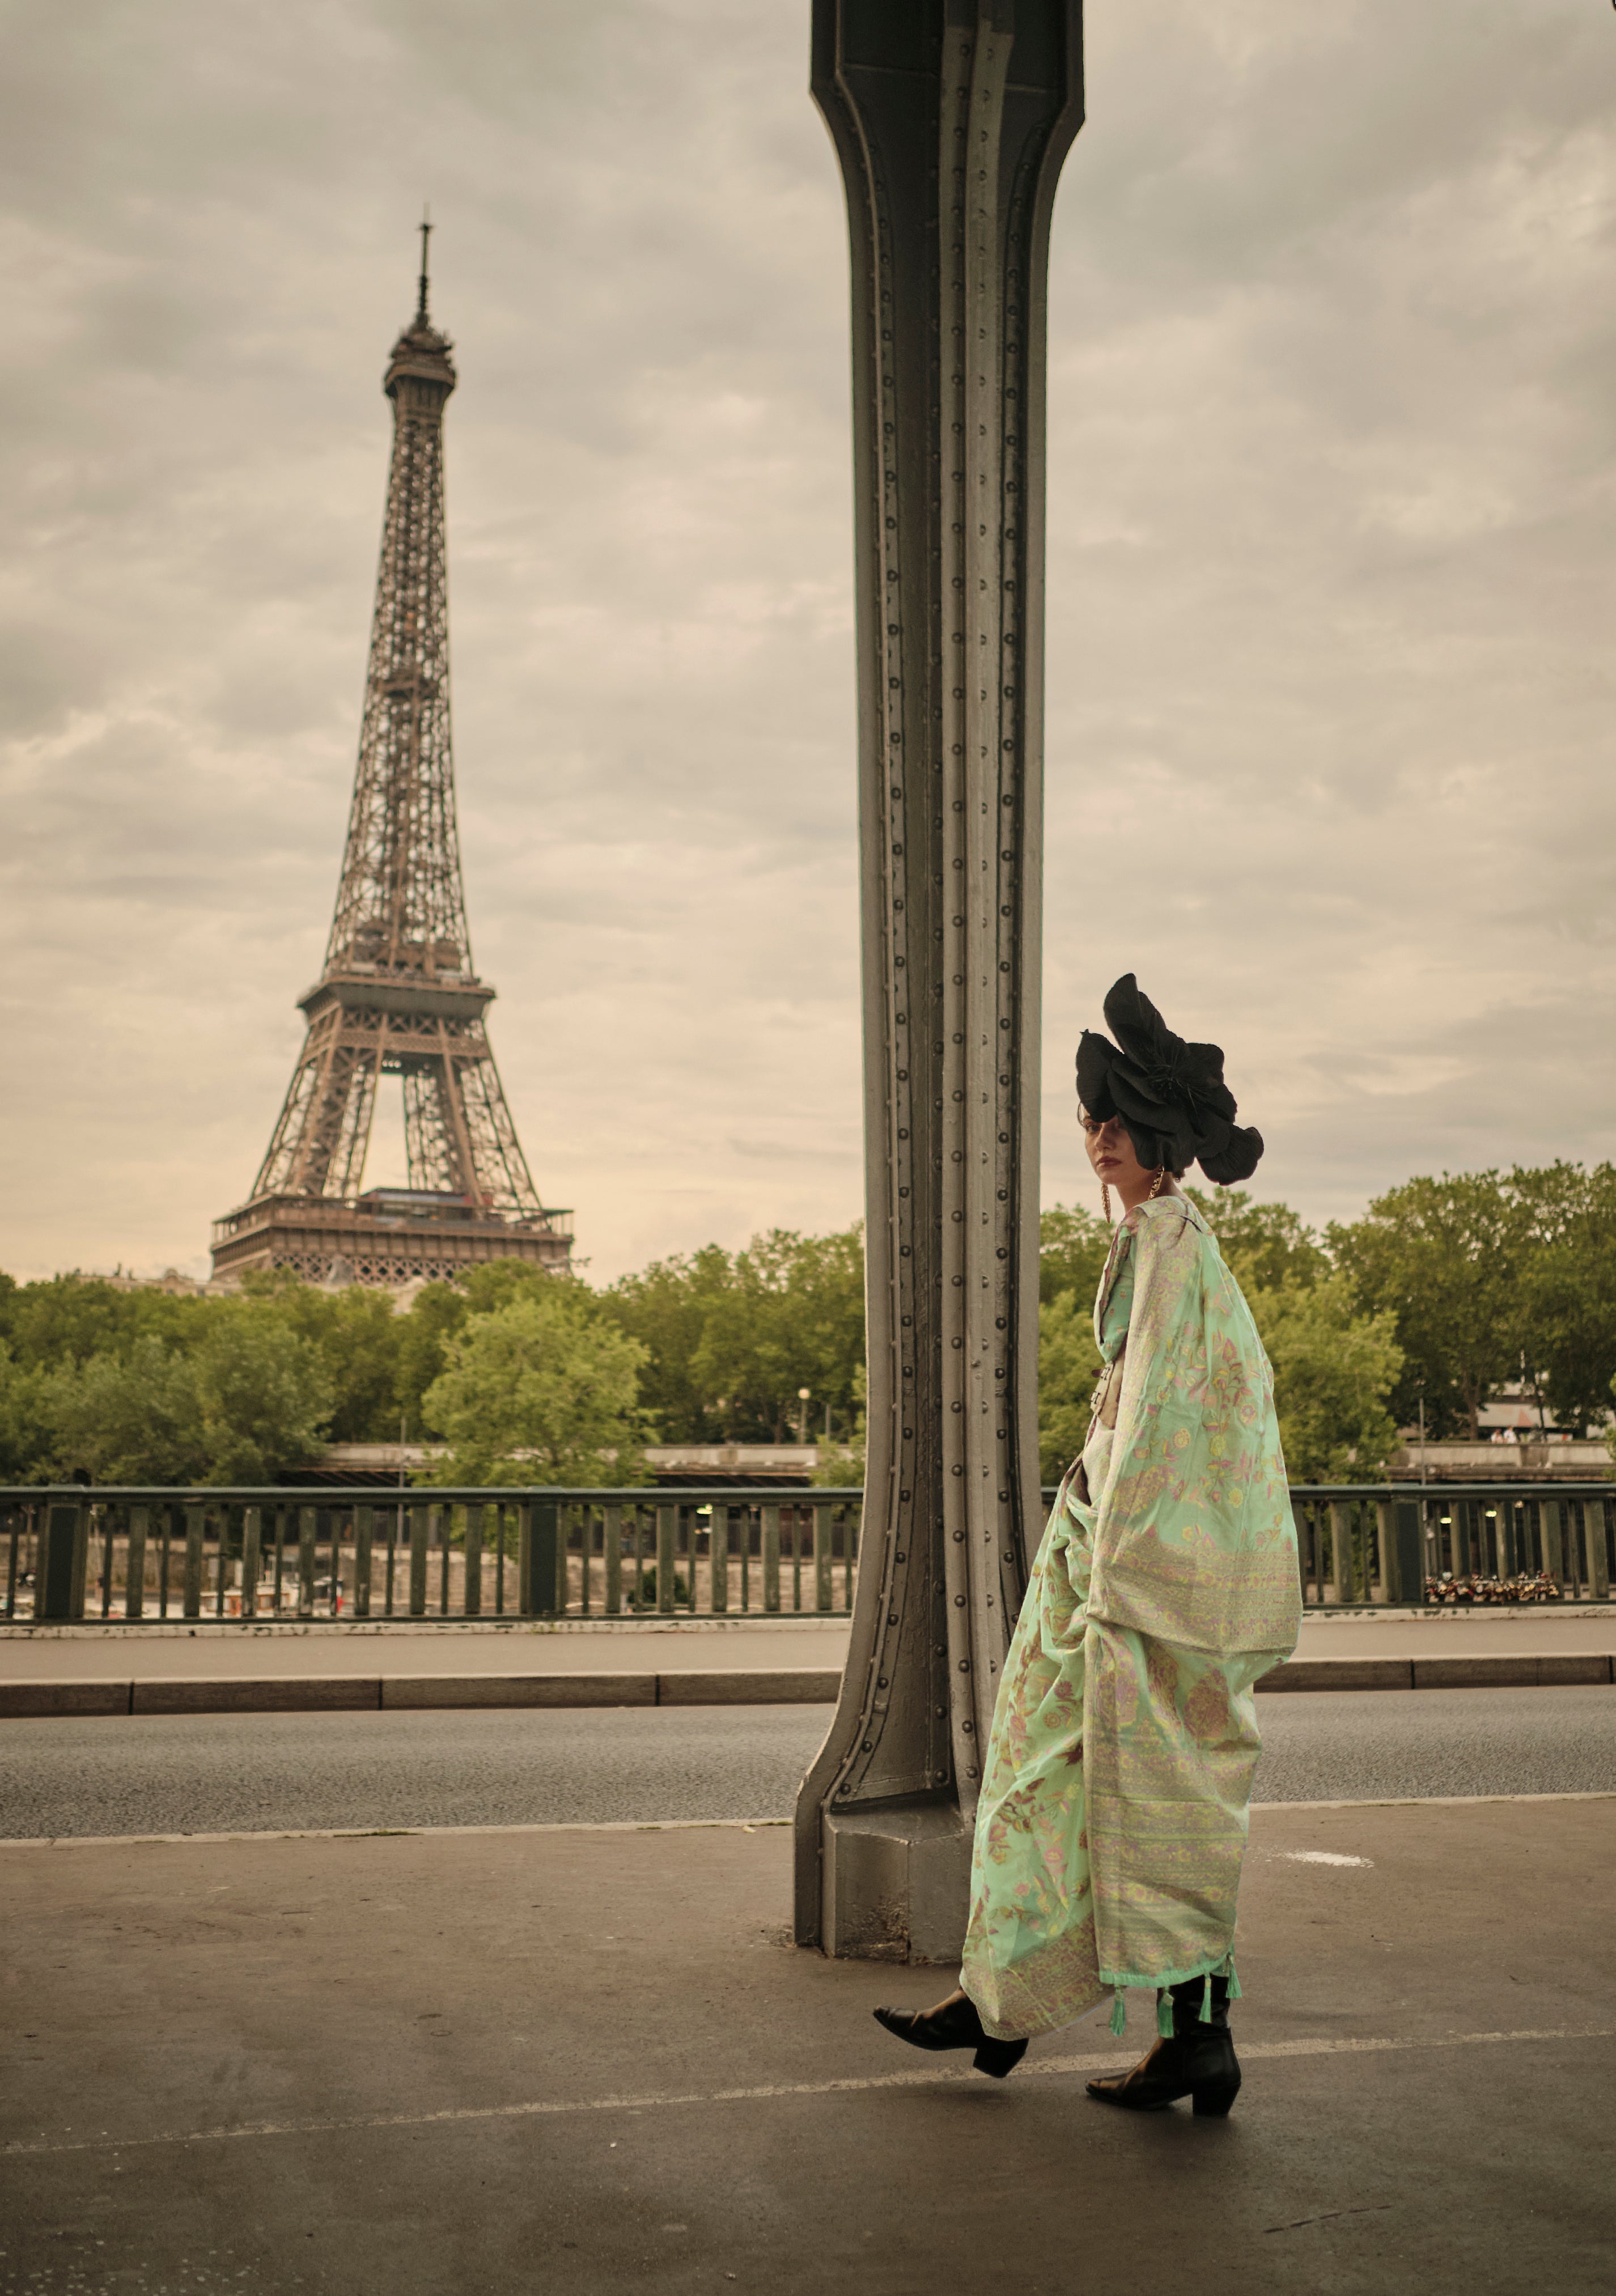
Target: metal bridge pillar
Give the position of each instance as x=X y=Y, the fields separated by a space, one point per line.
x=950 y=118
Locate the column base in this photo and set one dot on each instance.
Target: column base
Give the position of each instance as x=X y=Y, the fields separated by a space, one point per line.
x=896 y=1882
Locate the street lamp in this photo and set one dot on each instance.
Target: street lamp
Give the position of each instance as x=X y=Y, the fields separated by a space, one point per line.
x=803 y=1393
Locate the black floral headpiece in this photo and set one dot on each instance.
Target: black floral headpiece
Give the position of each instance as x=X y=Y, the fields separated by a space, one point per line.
x=1170 y=1096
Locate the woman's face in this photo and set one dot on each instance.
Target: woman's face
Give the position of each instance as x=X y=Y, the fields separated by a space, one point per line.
x=1111 y=1151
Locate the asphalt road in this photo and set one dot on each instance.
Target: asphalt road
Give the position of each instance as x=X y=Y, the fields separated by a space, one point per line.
x=268 y=1773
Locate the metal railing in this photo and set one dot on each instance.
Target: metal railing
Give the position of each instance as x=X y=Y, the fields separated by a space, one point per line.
x=1405 y=1542
x=72 y=1553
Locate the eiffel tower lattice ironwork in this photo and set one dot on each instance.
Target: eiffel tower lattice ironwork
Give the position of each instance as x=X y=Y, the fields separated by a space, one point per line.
x=398 y=994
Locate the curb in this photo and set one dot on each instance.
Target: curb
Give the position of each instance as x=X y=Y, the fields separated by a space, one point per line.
x=1517 y=1670
x=342 y=1694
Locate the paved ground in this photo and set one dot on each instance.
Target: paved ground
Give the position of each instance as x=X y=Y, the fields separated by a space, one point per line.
x=221 y=1772
x=324 y=1649
x=586 y=2062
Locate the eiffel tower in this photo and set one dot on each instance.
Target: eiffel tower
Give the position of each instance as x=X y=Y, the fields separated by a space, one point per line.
x=399 y=995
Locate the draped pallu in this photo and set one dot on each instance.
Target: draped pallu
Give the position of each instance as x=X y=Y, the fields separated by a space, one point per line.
x=1113 y=1815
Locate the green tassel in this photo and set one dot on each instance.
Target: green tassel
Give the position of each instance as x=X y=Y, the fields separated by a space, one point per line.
x=1164 y=2013
x=1206 y=1998
x=1118 y=2013
x=1234 y=1994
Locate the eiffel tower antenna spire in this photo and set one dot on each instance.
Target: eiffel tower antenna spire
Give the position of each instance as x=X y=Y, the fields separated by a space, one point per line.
x=398 y=994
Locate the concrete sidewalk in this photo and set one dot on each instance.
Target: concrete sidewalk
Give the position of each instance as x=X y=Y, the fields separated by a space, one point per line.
x=85 y=1653
x=589 y=2061
x=80 y=1653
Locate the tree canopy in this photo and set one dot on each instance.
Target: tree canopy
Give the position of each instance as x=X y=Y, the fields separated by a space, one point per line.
x=541 y=1390
x=1444 y=1291
x=730 y=1341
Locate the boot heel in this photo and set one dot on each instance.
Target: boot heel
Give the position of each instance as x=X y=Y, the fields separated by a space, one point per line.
x=1001 y=2057
x=1213 y=2101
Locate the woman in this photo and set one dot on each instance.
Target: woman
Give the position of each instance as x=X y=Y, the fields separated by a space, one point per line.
x=1113 y=1812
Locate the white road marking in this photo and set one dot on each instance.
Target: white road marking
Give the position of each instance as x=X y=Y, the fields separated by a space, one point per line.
x=1319 y=1858
x=553 y=2107
x=395 y=1832
x=677 y=1824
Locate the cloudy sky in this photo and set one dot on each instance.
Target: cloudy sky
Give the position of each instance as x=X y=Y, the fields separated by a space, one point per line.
x=1333 y=518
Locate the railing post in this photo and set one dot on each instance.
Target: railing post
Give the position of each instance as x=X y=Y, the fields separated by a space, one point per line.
x=667 y=1541
x=108 y=1542
x=1458 y=1539
x=540 y=1560
x=771 y=1557
x=822 y=1599
x=61 y=1561
x=611 y=1542
x=308 y=1527
x=15 y=1518
x=717 y=1554
x=135 y=1565
x=196 y=1524
x=472 y=1605
x=1342 y=1582
x=1599 y=1560
x=1403 y=1550
x=252 y=1544
x=364 y=1533
x=1382 y=1582
x=418 y=1530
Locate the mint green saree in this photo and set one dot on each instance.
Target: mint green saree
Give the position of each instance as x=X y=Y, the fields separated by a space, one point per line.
x=1113 y=1812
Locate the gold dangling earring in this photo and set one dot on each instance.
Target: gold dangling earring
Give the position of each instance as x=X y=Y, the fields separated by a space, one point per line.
x=1105 y=1200
x=1156 y=1185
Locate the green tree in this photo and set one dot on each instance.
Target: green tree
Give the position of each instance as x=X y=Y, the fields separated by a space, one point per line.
x=541 y=1391
x=28 y=1435
x=842 y=1465
x=355 y=1332
x=1265 y=1244
x=1568 y=1286
x=1444 y=1256
x=1333 y=1369
x=730 y=1342
x=435 y=1315
x=665 y=1307
x=1073 y=1243
x=67 y=1319
x=264 y=1396
x=1069 y=1364
x=129 y=1419
x=248 y=1403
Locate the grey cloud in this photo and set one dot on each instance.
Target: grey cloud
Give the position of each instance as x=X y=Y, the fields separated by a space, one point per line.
x=1331 y=445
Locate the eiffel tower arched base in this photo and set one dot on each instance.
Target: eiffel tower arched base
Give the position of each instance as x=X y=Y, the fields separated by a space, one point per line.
x=380 y=1239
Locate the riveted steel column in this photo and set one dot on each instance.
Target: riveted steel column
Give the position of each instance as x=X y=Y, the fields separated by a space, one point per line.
x=950 y=118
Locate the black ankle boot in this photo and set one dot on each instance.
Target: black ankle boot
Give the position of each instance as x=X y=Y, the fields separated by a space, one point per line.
x=1199 y=2061
x=955 y=2026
